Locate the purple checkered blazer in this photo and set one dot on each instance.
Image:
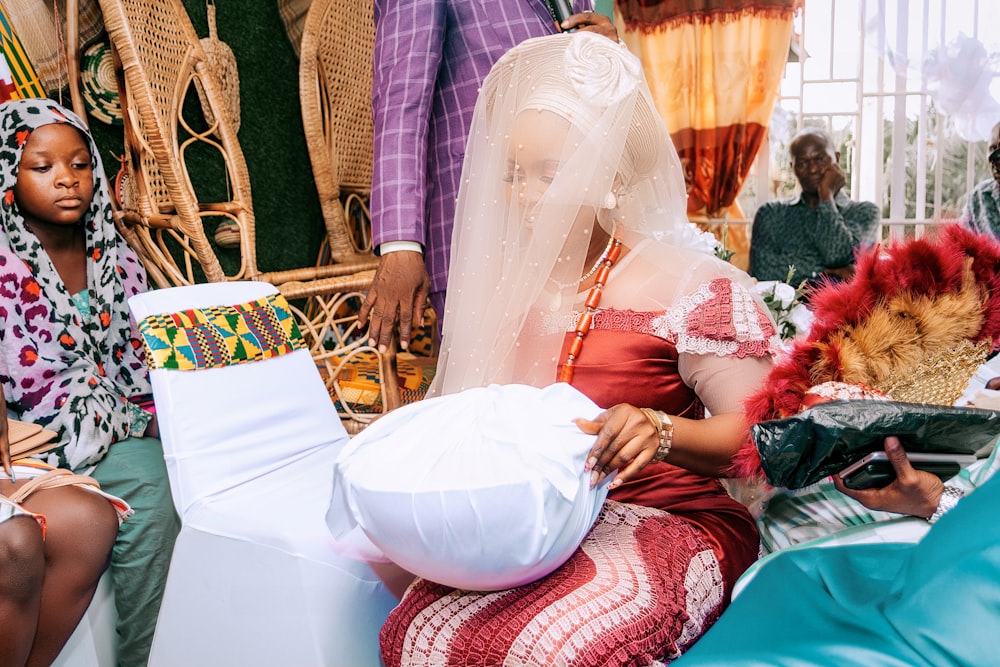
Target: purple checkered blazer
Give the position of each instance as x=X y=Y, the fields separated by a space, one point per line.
x=430 y=58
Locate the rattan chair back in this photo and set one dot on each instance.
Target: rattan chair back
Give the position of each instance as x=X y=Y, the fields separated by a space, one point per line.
x=163 y=66
x=162 y=60
x=335 y=88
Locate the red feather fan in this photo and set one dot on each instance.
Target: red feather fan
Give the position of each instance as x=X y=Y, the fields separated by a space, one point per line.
x=928 y=266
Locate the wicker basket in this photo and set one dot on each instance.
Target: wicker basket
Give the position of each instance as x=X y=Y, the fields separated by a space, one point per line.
x=939 y=379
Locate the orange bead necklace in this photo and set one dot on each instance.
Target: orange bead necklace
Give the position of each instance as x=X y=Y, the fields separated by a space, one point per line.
x=586 y=320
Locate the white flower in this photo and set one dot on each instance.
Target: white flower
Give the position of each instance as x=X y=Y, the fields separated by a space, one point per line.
x=765 y=287
x=791 y=317
x=801 y=318
x=601 y=71
x=785 y=294
x=689 y=235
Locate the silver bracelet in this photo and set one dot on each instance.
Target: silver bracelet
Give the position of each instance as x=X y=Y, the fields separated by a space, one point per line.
x=949 y=498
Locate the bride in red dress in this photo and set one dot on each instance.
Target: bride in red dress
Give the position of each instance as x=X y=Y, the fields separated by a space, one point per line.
x=572 y=262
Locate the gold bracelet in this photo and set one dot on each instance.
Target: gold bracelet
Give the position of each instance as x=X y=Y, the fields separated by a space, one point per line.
x=664 y=427
x=653 y=419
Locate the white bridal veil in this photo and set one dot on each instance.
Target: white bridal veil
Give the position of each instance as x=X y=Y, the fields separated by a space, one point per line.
x=564 y=137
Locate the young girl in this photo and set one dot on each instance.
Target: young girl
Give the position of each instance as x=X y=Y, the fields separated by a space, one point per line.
x=69 y=358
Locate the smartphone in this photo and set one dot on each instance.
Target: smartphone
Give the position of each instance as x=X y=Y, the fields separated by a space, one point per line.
x=875 y=470
x=562 y=10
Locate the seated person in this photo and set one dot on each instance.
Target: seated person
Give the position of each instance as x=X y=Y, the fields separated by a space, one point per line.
x=829 y=513
x=982 y=209
x=929 y=603
x=567 y=266
x=69 y=358
x=54 y=545
x=817 y=232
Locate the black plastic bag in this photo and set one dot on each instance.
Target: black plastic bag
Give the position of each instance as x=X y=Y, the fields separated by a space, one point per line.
x=826 y=438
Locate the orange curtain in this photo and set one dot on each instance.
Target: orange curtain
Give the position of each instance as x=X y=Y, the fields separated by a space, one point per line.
x=714 y=68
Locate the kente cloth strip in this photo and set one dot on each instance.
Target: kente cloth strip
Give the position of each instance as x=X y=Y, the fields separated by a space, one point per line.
x=18 y=79
x=221 y=336
x=41 y=27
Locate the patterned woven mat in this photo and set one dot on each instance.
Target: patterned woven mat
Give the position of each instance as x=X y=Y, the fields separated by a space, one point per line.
x=359 y=383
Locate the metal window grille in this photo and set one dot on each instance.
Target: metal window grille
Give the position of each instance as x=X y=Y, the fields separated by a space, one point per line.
x=859 y=68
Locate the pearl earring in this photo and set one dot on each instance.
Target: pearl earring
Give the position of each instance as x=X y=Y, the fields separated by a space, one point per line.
x=610 y=201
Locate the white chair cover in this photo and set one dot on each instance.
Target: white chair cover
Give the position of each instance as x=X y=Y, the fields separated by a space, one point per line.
x=93 y=643
x=250 y=450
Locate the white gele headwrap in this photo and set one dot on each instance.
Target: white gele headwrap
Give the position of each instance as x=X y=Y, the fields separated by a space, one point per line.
x=582 y=100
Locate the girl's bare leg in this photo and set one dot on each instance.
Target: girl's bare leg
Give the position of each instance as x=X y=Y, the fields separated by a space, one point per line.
x=81 y=529
x=22 y=567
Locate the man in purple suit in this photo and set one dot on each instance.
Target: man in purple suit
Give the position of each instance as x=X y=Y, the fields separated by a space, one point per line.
x=430 y=58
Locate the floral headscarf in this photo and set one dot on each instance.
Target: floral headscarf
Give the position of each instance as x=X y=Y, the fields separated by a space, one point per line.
x=72 y=374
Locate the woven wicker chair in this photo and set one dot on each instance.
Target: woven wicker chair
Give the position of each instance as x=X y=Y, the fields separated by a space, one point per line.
x=335 y=88
x=171 y=225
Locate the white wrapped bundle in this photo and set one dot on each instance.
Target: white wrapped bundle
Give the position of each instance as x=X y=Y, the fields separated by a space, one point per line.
x=481 y=490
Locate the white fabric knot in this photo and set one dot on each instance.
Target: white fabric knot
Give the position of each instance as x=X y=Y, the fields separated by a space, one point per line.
x=601 y=71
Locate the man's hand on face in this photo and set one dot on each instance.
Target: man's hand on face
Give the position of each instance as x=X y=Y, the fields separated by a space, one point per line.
x=831 y=183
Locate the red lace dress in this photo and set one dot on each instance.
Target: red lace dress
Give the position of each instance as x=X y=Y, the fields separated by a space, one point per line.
x=657 y=568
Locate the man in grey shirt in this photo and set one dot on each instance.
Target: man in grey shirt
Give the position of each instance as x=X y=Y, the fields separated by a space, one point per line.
x=818 y=231
x=982 y=210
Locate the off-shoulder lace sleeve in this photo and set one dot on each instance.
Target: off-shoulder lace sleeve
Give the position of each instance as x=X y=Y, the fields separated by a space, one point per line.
x=721 y=317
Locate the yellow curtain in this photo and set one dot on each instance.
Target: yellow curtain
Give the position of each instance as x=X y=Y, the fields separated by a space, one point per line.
x=714 y=68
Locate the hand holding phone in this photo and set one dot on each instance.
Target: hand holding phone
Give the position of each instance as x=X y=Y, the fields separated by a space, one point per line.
x=907 y=489
x=875 y=469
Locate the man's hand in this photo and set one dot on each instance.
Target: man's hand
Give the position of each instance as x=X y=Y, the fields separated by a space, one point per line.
x=914 y=492
x=831 y=183
x=592 y=22
x=398 y=294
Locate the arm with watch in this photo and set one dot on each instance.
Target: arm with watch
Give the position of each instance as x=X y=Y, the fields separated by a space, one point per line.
x=632 y=435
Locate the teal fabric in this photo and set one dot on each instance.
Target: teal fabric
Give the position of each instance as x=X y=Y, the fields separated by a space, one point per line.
x=134 y=470
x=933 y=603
x=606 y=7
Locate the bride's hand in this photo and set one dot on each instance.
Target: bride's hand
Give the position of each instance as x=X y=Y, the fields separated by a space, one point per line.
x=626 y=442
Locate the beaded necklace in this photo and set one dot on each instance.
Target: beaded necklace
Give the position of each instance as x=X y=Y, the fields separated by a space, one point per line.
x=587 y=317
x=593 y=269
